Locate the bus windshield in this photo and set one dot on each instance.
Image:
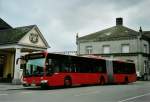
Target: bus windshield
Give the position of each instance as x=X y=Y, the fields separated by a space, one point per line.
x=35 y=67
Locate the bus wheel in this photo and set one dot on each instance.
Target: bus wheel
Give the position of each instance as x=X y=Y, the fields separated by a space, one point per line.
x=25 y=85
x=126 y=81
x=102 y=81
x=44 y=86
x=67 y=82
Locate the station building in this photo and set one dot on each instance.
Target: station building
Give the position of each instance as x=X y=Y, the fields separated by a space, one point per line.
x=15 y=42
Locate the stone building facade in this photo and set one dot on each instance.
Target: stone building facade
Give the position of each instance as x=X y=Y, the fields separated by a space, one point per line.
x=119 y=42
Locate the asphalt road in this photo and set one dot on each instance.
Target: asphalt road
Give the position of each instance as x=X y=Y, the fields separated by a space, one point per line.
x=135 y=92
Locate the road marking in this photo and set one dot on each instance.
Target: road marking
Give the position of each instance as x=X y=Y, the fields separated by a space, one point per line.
x=88 y=93
x=26 y=92
x=80 y=93
x=3 y=94
x=134 y=97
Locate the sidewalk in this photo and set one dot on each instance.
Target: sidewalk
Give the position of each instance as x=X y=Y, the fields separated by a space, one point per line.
x=9 y=86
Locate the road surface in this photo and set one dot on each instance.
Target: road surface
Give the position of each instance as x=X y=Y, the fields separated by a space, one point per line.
x=135 y=92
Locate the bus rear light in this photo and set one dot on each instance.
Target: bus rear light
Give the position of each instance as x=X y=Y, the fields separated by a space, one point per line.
x=24 y=82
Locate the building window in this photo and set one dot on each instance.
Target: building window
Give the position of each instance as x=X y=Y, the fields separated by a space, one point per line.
x=106 y=49
x=145 y=48
x=145 y=66
x=125 y=48
x=88 y=49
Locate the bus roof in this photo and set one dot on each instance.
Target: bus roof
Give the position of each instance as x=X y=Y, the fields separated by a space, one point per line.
x=82 y=57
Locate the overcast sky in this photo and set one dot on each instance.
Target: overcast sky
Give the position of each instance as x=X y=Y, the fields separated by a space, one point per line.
x=60 y=20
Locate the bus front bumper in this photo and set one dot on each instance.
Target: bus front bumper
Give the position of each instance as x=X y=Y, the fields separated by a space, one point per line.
x=25 y=84
x=39 y=83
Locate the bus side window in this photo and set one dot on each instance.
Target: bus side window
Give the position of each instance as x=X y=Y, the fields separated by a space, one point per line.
x=67 y=68
x=99 y=68
x=102 y=66
x=64 y=67
x=49 y=70
x=115 y=67
x=77 y=68
x=73 y=68
x=56 y=66
x=81 y=68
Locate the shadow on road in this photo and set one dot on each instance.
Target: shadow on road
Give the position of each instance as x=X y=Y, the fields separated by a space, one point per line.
x=60 y=88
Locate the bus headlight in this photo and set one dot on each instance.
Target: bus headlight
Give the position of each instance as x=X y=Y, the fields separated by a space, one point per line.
x=24 y=82
x=44 y=81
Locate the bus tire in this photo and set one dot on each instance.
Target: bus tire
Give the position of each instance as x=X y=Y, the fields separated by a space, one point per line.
x=44 y=86
x=25 y=85
x=67 y=82
x=126 y=80
x=102 y=81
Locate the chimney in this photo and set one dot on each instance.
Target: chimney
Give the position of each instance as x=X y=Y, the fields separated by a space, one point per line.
x=119 y=21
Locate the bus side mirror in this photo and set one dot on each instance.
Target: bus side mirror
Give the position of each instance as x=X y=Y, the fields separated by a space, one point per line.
x=18 y=60
x=22 y=59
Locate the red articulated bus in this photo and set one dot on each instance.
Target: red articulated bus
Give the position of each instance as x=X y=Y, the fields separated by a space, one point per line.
x=48 y=69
